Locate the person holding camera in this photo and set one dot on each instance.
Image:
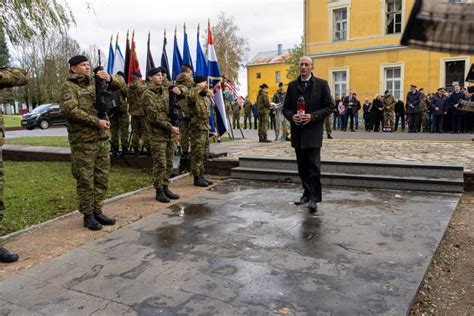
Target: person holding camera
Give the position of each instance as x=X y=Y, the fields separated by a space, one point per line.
x=88 y=134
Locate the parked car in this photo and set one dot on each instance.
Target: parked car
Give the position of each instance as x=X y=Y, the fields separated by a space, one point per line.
x=43 y=116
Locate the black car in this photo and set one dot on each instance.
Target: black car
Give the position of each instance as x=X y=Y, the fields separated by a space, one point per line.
x=43 y=116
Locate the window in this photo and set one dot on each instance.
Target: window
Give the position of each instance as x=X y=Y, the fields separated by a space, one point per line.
x=259 y=75
x=339 y=25
x=455 y=71
x=277 y=76
x=393 y=12
x=339 y=78
x=393 y=81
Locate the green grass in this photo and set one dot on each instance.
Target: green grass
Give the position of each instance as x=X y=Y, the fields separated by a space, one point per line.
x=12 y=120
x=54 y=141
x=39 y=191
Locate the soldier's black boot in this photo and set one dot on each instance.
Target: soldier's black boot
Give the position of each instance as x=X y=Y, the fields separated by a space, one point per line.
x=148 y=151
x=199 y=182
x=103 y=219
x=136 y=150
x=91 y=223
x=125 y=151
x=161 y=196
x=169 y=194
x=7 y=256
x=207 y=180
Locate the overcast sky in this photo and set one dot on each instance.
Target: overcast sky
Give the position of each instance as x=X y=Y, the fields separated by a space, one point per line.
x=264 y=23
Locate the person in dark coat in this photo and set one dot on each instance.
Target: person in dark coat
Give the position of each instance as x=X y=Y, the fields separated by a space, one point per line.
x=376 y=113
x=351 y=104
x=438 y=104
x=399 y=114
x=366 y=108
x=413 y=109
x=307 y=128
x=453 y=103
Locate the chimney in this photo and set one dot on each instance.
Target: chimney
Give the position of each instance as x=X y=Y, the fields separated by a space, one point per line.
x=280 y=49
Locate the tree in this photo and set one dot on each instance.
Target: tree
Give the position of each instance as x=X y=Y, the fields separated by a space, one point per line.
x=4 y=53
x=229 y=46
x=23 y=19
x=295 y=55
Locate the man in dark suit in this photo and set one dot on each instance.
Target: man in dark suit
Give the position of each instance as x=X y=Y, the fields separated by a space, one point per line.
x=307 y=128
x=352 y=106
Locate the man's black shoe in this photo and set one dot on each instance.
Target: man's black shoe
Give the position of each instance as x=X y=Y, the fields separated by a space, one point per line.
x=303 y=200
x=313 y=206
x=199 y=182
x=7 y=256
x=161 y=196
x=208 y=181
x=103 y=219
x=91 y=222
x=169 y=194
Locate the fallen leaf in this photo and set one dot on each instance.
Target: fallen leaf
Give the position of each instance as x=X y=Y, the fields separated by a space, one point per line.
x=284 y=310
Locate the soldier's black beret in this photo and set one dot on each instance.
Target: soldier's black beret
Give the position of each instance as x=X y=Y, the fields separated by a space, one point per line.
x=154 y=71
x=264 y=86
x=121 y=73
x=76 y=60
x=136 y=73
x=280 y=84
x=199 y=79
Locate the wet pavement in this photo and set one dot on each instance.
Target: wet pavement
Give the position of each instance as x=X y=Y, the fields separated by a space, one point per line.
x=244 y=248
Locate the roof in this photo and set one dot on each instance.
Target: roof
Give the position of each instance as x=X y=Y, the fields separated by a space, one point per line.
x=272 y=57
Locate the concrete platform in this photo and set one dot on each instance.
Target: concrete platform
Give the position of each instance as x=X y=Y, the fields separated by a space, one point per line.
x=244 y=248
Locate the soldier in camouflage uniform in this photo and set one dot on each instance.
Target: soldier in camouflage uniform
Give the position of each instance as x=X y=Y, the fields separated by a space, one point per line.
x=9 y=77
x=184 y=81
x=155 y=100
x=89 y=139
x=139 y=125
x=423 y=110
x=388 y=110
x=235 y=114
x=200 y=112
x=263 y=104
x=120 y=120
x=247 y=113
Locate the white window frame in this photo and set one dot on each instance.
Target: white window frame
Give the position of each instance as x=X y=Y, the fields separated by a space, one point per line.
x=442 y=67
x=383 y=30
x=336 y=5
x=278 y=76
x=386 y=21
x=332 y=83
x=382 y=80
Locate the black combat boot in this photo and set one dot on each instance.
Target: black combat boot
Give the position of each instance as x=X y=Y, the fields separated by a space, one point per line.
x=329 y=136
x=266 y=140
x=125 y=151
x=169 y=194
x=148 y=151
x=136 y=150
x=161 y=196
x=199 y=182
x=207 y=180
x=103 y=219
x=91 y=223
x=7 y=256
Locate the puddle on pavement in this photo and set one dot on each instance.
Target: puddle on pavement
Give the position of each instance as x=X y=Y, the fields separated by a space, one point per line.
x=190 y=210
x=311 y=228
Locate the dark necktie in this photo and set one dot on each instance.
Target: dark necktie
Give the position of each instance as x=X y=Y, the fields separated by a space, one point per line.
x=305 y=85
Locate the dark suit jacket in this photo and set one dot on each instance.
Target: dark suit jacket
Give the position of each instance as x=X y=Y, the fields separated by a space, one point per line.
x=318 y=102
x=354 y=108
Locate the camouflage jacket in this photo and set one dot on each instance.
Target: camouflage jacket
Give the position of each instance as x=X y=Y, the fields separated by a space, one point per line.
x=236 y=107
x=78 y=105
x=247 y=107
x=185 y=84
x=263 y=103
x=389 y=103
x=424 y=104
x=135 y=92
x=10 y=77
x=155 y=100
x=199 y=109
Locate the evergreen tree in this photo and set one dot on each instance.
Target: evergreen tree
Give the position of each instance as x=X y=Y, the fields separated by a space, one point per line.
x=4 y=53
x=295 y=55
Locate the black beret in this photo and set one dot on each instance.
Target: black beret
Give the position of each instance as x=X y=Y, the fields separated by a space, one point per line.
x=136 y=73
x=154 y=71
x=387 y=91
x=121 y=73
x=280 y=84
x=199 y=79
x=412 y=86
x=264 y=86
x=76 y=60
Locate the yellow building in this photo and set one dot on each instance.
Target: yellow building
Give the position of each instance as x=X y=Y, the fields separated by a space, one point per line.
x=267 y=67
x=356 y=45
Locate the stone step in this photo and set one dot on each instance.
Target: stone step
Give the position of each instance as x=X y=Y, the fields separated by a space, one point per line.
x=355 y=180
x=374 y=167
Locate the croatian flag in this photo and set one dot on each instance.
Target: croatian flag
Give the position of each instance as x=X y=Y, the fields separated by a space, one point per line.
x=201 y=70
x=119 y=62
x=215 y=79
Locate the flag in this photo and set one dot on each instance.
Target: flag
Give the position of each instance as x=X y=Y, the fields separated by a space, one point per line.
x=118 y=59
x=110 y=59
x=231 y=86
x=164 y=58
x=127 y=58
x=134 y=65
x=149 y=59
x=177 y=59
x=186 y=53
x=201 y=70
x=215 y=80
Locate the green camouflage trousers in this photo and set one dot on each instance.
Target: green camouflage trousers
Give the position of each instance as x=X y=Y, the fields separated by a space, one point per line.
x=199 y=150
x=248 y=116
x=423 y=121
x=388 y=119
x=139 y=125
x=327 y=124
x=119 y=126
x=162 y=153
x=2 y=205
x=236 y=119
x=263 y=125
x=90 y=164
x=184 y=136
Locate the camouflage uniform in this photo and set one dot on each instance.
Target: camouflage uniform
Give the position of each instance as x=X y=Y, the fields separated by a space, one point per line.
x=280 y=121
x=247 y=113
x=235 y=115
x=423 y=110
x=263 y=105
x=184 y=83
x=155 y=100
x=9 y=77
x=90 y=161
x=200 y=112
x=139 y=125
x=119 y=122
x=388 y=110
